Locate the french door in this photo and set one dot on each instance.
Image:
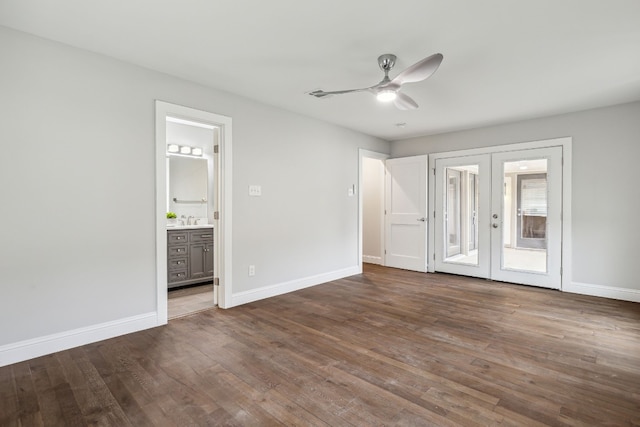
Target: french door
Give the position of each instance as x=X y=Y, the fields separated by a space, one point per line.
x=462 y=203
x=499 y=216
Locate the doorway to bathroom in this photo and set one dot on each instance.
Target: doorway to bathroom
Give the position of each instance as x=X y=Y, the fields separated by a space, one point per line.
x=191 y=206
x=193 y=150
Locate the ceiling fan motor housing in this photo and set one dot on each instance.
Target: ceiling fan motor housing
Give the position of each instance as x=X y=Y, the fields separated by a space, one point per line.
x=386 y=62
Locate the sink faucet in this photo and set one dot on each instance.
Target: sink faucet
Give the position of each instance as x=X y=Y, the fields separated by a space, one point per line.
x=189 y=220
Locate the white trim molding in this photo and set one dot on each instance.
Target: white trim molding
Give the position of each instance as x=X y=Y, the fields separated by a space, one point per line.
x=293 y=285
x=36 y=347
x=370 y=259
x=624 y=294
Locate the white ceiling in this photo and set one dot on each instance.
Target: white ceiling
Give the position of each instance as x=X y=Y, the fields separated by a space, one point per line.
x=504 y=60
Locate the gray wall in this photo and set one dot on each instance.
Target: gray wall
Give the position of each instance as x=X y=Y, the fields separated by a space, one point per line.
x=606 y=152
x=78 y=186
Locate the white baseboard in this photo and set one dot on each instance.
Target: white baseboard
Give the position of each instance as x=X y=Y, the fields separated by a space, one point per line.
x=36 y=347
x=293 y=285
x=624 y=294
x=372 y=259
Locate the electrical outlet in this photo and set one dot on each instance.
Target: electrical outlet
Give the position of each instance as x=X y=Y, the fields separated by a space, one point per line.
x=252 y=270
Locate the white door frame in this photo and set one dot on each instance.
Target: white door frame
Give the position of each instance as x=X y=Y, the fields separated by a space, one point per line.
x=565 y=143
x=362 y=154
x=223 y=181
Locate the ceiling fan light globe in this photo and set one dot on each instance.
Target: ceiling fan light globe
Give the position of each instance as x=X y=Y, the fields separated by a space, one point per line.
x=386 y=95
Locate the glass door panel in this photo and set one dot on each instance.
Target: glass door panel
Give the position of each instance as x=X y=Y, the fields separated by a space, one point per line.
x=525 y=215
x=460 y=214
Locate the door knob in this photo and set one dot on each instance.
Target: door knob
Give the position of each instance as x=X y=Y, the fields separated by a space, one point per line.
x=494 y=225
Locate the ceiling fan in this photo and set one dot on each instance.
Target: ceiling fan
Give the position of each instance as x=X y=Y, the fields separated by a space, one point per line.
x=389 y=90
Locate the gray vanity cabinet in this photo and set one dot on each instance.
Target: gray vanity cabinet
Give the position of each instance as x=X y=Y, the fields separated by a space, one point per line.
x=189 y=256
x=201 y=253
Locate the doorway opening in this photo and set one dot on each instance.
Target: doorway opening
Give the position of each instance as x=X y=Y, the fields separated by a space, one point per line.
x=371 y=207
x=372 y=173
x=193 y=206
x=192 y=200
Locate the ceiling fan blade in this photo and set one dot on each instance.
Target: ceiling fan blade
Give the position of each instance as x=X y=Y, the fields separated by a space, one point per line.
x=405 y=102
x=322 y=93
x=420 y=70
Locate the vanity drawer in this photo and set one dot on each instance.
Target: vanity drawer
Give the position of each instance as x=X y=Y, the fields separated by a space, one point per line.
x=177 y=263
x=177 y=275
x=174 y=237
x=177 y=251
x=205 y=235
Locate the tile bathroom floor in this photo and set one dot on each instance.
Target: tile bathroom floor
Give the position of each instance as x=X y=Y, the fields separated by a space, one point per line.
x=187 y=301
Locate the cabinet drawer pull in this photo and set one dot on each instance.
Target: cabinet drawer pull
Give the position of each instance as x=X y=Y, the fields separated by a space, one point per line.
x=205 y=235
x=178 y=250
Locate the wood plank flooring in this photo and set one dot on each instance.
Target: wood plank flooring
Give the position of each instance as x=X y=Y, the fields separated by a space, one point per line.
x=388 y=347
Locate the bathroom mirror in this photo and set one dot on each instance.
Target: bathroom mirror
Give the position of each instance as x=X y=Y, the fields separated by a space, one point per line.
x=188 y=187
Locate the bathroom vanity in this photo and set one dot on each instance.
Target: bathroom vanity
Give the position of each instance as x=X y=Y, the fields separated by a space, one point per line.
x=189 y=255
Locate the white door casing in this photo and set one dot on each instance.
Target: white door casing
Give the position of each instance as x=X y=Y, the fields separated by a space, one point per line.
x=406 y=213
x=222 y=226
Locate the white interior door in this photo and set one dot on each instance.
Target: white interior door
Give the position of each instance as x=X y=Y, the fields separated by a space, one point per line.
x=406 y=213
x=526 y=223
x=462 y=205
x=499 y=216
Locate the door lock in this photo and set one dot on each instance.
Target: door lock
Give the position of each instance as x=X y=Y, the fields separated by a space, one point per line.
x=494 y=225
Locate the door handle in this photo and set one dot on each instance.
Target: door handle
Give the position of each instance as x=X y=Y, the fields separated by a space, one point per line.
x=423 y=219
x=494 y=225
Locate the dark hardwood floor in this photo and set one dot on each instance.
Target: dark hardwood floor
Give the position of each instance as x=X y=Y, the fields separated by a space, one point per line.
x=388 y=347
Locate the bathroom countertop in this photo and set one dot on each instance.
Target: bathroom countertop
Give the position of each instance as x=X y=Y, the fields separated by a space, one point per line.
x=188 y=227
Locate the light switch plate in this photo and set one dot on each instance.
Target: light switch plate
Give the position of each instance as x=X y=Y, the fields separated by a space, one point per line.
x=255 y=190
